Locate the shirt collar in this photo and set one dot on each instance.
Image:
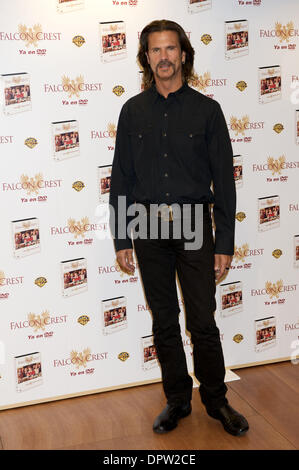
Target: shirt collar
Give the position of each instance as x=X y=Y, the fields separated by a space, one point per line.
x=176 y=94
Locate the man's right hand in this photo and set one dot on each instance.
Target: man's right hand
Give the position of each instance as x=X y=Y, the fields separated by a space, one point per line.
x=125 y=260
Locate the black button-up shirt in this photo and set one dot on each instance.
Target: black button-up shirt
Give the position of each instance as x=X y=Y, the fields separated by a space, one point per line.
x=170 y=150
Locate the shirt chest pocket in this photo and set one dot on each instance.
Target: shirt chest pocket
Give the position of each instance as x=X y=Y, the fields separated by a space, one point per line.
x=189 y=143
x=139 y=140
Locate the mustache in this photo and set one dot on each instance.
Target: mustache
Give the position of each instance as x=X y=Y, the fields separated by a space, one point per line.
x=165 y=62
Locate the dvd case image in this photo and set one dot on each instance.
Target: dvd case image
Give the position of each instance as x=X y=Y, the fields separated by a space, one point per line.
x=231 y=295
x=269 y=84
x=297 y=126
x=28 y=370
x=148 y=353
x=296 y=251
x=238 y=170
x=114 y=314
x=140 y=81
x=113 y=41
x=64 y=6
x=195 y=6
x=236 y=38
x=104 y=179
x=26 y=237
x=15 y=93
x=265 y=333
x=65 y=139
x=268 y=213
x=74 y=276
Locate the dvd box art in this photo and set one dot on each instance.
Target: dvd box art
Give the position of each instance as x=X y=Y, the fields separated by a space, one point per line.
x=268 y=213
x=236 y=38
x=148 y=353
x=15 y=93
x=238 y=170
x=65 y=139
x=195 y=6
x=63 y=6
x=140 y=81
x=28 y=371
x=114 y=314
x=269 y=84
x=265 y=333
x=74 y=276
x=296 y=251
x=231 y=295
x=113 y=41
x=104 y=179
x=26 y=237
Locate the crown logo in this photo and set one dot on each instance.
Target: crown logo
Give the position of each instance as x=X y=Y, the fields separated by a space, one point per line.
x=2 y=277
x=80 y=359
x=273 y=289
x=199 y=82
x=284 y=31
x=30 y=34
x=16 y=80
x=73 y=86
x=238 y=26
x=112 y=130
x=39 y=321
x=32 y=184
x=276 y=165
x=239 y=125
x=78 y=227
x=240 y=253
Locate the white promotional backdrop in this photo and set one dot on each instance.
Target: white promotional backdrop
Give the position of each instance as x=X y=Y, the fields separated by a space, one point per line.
x=71 y=322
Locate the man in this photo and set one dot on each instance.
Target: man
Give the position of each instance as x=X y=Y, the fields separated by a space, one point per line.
x=171 y=143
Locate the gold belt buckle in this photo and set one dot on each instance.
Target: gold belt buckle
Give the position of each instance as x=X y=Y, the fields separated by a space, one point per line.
x=166 y=213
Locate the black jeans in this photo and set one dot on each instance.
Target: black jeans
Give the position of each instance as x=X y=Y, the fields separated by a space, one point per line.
x=159 y=260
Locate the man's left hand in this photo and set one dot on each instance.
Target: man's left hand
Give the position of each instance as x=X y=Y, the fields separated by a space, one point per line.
x=221 y=265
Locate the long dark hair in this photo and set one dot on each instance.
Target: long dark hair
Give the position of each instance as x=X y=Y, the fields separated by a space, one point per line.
x=159 y=26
